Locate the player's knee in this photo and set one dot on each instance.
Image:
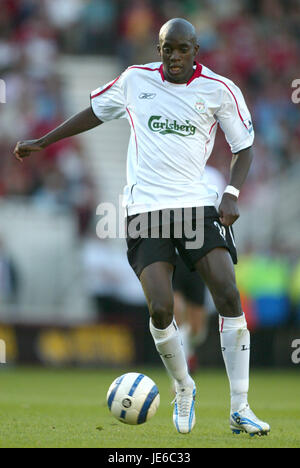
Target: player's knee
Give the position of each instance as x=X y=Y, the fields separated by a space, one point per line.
x=228 y=301
x=161 y=313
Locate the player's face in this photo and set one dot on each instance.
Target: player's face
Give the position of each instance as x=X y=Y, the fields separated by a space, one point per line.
x=178 y=54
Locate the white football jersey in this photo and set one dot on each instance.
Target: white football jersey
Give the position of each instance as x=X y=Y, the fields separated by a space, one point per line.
x=173 y=128
x=215 y=180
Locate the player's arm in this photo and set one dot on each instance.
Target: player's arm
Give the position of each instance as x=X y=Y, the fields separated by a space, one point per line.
x=240 y=166
x=79 y=123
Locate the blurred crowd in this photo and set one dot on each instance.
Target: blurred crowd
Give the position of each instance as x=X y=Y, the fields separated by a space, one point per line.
x=256 y=43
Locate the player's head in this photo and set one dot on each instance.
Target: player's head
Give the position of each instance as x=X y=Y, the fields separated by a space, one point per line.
x=178 y=48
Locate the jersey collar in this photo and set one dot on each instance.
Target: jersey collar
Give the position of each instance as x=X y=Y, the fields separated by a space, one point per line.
x=196 y=74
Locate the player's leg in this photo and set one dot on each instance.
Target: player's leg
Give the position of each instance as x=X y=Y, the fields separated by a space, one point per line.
x=156 y=280
x=153 y=261
x=197 y=319
x=196 y=315
x=189 y=310
x=180 y=304
x=180 y=314
x=217 y=270
x=179 y=308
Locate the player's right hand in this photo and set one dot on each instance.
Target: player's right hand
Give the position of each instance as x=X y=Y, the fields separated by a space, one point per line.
x=24 y=149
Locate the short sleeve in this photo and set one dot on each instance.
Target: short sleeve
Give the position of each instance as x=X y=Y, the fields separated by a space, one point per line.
x=235 y=120
x=108 y=102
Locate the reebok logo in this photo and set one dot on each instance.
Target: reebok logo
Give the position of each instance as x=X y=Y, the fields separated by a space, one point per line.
x=165 y=127
x=147 y=96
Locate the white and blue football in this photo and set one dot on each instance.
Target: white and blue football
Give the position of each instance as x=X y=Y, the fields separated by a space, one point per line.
x=133 y=398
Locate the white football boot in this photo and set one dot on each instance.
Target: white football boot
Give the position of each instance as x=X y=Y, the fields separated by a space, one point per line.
x=245 y=420
x=184 y=409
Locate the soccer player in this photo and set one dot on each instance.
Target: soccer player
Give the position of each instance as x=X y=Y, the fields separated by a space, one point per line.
x=174 y=108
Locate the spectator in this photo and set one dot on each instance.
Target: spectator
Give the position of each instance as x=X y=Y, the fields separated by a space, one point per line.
x=138 y=26
x=97 y=27
x=255 y=43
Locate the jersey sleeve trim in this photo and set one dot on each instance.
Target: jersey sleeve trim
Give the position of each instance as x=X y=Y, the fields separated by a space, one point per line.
x=242 y=149
x=91 y=105
x=105 y=89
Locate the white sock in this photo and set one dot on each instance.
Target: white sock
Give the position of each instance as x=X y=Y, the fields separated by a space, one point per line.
x=235 y=343
x=185 y=333
x=169 y=345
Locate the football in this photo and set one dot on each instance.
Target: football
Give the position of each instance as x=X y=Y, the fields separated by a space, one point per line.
x=133 y=398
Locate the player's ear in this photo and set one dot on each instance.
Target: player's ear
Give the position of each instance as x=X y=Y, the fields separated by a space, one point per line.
x=158 y=49
x=196 y=49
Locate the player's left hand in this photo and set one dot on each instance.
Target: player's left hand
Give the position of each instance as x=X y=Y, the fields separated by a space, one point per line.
x=228 y=209
x=24 y=149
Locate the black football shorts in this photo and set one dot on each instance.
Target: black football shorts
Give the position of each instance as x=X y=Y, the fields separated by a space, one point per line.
x=155 y=236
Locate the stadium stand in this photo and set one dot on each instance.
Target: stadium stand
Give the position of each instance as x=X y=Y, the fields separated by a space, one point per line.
x=54 y=52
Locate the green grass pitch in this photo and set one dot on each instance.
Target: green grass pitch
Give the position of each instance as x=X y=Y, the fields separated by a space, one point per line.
x=66 y=408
